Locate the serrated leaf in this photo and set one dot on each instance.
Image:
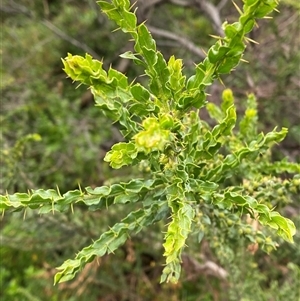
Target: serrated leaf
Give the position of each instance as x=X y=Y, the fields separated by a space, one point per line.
x=177 y=233
x=140 y=93
x=110 y=240
x=144 y=40
x=119 y=13
x=217 y=52
x=131 y=56
x=121 y=154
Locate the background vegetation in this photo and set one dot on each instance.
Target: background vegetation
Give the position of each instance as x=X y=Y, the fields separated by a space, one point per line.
x=42 y=115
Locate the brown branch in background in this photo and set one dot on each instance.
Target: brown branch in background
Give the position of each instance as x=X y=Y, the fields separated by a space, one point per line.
x=19 y=9
x=213 y=13
x=193 y=268
x=15 y=8
x=95 y=7
x=180 y=2
x=145 y=6
x=69 y=39
x=221 y=4
x=181 y=40
x=46 y=8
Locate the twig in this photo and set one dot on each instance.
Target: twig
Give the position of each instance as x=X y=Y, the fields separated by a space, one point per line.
x=149 y=3
x=213 y=13
x=208 y=267
x=94 y=6
x=181 y=40
x=221 y=4
x=180 y=2
x=16 y=8
x=69 y=39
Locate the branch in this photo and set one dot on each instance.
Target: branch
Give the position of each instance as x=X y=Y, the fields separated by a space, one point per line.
x=69 y=39
x=180 y=2
x=213 y=13
x=221 y=4
x=145 y=7
x=207 y=268
x=148 y=3
x=181 y=40
x=16 y=8
x=94 y=6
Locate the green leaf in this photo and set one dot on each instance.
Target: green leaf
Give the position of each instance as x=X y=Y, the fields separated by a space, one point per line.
x=217 y=52
x=177 y=233
x=118 y=11
x=131 y=56
x=153 y=138
x=109 y=241
x=231 y=30
x=176 y=80
x=144 y=40
x=141 y=94
x=284 y=226
x=121 y=154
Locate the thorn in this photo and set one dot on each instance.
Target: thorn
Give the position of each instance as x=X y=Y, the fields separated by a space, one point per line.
x=58 y=191
x=80 y=188
x=144 y=22
x=219 y=78
x=109 y=250
x=245 y=61
x=216 y=37
x=52 y=204
x=72 y=208
x=237 y=8
x=116 y=29
x=24 y=215
x=133 y=81
x=2 y=213
x=203 y=51
x=277 y=11
x=133 y=4
x=267 y=17
x=252 y=41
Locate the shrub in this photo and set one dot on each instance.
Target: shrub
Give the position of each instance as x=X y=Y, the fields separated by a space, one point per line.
x=197 y=178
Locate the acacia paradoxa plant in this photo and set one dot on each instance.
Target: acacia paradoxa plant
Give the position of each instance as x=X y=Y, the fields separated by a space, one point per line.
x=188 y=163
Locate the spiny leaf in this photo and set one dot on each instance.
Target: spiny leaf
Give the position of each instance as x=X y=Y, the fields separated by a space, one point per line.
x=51 y=200
x=111 y=239
x=177 y=233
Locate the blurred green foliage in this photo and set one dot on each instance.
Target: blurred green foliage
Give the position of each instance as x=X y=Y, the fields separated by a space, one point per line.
x=37 y=101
